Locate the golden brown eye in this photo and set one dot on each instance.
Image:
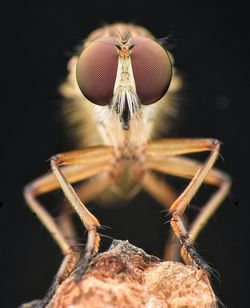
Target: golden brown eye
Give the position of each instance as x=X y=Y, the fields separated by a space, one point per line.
x=96 y=70
x=152 y=70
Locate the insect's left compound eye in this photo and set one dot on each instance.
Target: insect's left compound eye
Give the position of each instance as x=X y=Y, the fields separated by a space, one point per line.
x=96 y=70
x=152 y=70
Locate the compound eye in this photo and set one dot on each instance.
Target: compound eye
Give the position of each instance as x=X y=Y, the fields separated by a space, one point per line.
x=152 y=70
x=96 y=70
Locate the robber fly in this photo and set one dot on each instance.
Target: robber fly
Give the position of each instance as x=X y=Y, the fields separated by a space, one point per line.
x=120 y=88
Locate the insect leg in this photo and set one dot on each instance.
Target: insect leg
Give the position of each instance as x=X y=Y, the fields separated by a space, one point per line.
x=89 y=155
x=200 y=173
x=165 y=195
x=86 y=192
x=186 y=168
x=48 y=183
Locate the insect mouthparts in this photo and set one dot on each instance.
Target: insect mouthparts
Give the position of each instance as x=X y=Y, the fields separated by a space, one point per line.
x=125 y=116
x=125 y=103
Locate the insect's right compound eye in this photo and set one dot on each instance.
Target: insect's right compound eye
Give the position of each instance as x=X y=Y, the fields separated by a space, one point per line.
x=96 y=70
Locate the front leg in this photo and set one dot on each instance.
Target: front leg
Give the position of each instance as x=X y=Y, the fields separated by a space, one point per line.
x=156 y=153
x=82 y=165
x=90 y=222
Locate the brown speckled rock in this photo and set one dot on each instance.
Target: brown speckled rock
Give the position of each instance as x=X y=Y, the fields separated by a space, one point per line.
x=125 y=276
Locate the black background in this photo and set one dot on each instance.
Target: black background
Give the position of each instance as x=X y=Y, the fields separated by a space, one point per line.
x=211 y=47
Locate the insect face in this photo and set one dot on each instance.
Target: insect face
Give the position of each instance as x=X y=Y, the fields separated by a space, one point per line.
x=124 y=74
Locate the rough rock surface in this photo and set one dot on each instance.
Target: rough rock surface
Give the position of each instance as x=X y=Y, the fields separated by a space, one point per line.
x=125 y=276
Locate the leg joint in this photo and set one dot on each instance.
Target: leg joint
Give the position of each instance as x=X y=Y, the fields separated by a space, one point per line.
x=216 y=142
x=30 y=190
x=215 y=145
x=55 y=160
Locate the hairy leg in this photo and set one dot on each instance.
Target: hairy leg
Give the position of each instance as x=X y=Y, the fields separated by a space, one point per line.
x=165 y=195
x=160 y=157
x=88 y=162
